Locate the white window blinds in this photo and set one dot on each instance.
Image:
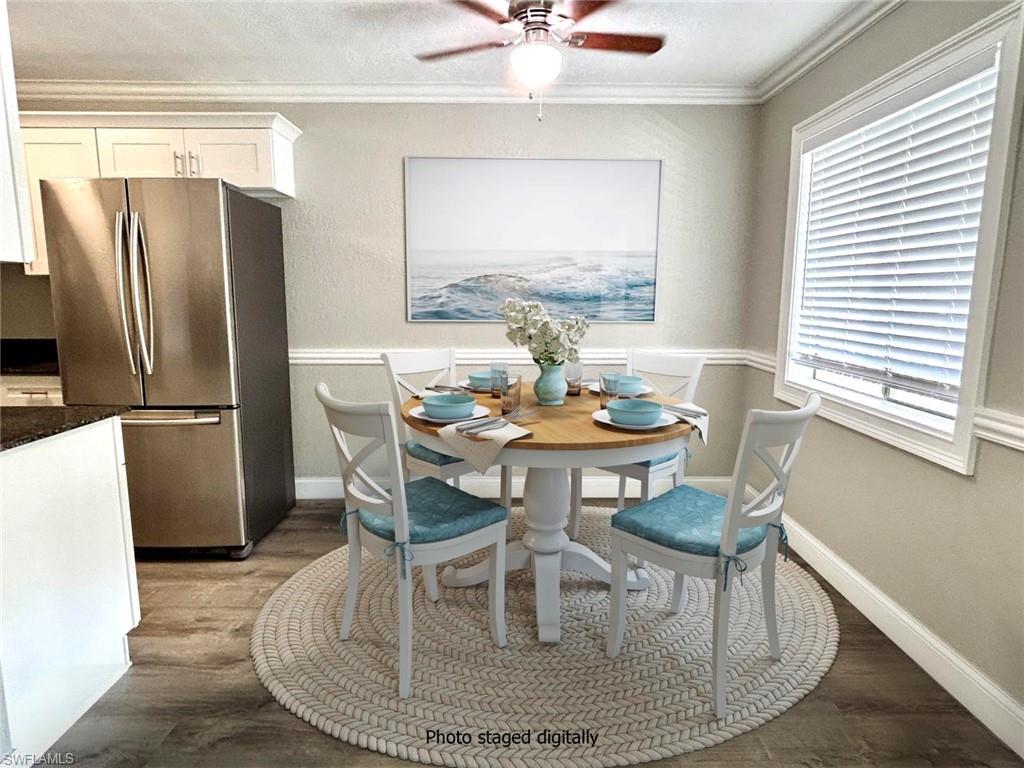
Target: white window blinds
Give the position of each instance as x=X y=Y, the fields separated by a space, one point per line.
x=888 y=234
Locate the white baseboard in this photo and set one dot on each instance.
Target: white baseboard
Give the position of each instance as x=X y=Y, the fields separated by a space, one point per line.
x=604 y=486
x=992 y=705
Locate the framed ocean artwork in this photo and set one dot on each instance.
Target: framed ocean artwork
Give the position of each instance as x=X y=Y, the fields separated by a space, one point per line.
x=581 y=236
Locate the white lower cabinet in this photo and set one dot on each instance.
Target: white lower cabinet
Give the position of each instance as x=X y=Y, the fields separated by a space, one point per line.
x=67 y=579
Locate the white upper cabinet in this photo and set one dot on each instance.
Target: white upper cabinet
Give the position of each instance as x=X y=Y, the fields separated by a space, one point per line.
x=252 y=150
x=54 y=153
x=241 y=156
x=141 y=151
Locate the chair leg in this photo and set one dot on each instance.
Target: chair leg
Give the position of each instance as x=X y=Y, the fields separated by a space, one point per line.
x=575 y=502
x=617 y=615
x=768 y=593
x=720 y=645
x=496 y=591
x=678 y=593
x=506 y=487
x=621 y=504
x=645 y=495
x=430 y=581
x=404 y=626
x=455 y=481
x=352 y=590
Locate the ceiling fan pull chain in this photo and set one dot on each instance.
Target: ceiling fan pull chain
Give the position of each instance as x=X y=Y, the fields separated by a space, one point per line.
x=540 y=105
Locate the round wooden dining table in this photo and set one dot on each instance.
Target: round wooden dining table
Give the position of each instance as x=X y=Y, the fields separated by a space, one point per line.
x=563 y=437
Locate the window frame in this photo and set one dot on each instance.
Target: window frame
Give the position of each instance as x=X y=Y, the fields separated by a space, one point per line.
x=896 y=425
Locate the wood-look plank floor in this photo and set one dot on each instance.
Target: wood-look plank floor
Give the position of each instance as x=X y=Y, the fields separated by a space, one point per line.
x=192 y=700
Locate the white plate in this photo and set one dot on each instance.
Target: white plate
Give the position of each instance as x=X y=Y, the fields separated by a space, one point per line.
x=465 y=384
x=594 y=388
x=420 y=413
x=664 y=420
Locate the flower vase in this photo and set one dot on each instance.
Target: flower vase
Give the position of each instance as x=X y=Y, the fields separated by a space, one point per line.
x=550 y=387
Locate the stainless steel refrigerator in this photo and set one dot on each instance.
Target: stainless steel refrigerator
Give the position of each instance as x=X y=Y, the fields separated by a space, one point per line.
x=168 y=296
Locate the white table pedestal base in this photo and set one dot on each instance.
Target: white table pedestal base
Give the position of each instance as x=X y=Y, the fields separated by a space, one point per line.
x=546 y=548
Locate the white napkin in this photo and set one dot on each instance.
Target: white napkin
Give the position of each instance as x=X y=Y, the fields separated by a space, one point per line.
x=701 y=423
x=482 y=451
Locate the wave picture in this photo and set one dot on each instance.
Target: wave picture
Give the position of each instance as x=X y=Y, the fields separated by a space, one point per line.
x=602 y=286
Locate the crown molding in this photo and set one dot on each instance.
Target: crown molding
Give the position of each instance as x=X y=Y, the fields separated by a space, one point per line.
x=377 y=93
x=861 y=17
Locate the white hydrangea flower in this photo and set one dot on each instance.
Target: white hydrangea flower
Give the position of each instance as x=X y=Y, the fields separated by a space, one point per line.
x=550 y=341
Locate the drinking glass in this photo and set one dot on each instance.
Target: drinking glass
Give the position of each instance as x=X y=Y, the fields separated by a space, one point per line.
x=499 y=372
x=609 y=388
x=511 y=392
x=573 y=378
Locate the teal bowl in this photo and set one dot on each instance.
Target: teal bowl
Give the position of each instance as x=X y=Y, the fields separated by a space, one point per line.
x=634 y=413
x=449 y=406
x=480 y=380
x=630 y=385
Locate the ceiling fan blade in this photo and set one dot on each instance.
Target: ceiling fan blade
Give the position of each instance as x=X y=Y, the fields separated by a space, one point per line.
x=577 y=10
x=459 y=51
x=606 y=41
x=482 y=9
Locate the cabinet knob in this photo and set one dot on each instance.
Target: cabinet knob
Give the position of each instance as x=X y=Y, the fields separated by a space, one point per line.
x=179 y=164
x=195 y=164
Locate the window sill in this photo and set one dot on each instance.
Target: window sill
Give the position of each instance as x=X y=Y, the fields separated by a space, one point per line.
x=930 y=443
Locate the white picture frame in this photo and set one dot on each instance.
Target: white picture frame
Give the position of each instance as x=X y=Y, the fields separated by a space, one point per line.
x=581 y=236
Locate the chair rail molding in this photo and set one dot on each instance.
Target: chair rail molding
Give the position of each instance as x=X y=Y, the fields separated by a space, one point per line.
x=477 y=356
x=990 y=424
x=999 y=427
x=999 y=711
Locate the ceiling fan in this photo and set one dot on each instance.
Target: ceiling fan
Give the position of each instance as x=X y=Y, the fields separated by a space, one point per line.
x=540 y=29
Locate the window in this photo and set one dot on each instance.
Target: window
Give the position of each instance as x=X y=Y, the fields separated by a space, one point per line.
x=894 y=228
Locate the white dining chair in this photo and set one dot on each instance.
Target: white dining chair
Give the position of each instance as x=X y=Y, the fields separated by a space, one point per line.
x=421 y=523
x=683 y=373
x=696 y=533
x=419 y=459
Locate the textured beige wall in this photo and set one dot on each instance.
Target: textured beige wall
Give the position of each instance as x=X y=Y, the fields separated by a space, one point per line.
x=947 y=548
x=345 y=247
x=25 y=310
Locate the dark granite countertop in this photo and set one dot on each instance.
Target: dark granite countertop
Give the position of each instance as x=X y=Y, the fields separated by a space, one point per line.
x=23 y=424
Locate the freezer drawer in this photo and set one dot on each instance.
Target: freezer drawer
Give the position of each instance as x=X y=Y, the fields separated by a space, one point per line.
x=185 y=478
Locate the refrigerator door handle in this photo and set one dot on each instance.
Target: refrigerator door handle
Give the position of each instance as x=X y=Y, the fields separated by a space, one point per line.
x=138 y=243
x=196 y=419
x=120 y=229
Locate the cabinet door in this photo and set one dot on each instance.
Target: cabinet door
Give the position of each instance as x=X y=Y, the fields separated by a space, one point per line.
x=141 y=152
x=54 y=153
x=240 y=156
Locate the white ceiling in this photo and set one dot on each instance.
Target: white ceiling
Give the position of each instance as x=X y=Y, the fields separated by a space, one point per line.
x=712 y=47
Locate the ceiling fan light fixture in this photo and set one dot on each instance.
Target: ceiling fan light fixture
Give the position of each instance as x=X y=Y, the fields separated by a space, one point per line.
x=536 y=64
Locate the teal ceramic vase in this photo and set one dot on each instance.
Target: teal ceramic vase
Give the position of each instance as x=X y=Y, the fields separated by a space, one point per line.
x=550 y=387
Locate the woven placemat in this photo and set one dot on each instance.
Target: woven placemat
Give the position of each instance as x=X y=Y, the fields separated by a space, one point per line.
x=577 y=707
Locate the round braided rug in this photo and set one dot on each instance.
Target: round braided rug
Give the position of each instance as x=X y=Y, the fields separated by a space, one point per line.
x=651 y=702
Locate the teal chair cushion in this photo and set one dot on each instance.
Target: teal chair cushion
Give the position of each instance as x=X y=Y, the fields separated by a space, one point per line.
x=423 y=453
x=686 y=519
x=437 y=512
x=657 y=461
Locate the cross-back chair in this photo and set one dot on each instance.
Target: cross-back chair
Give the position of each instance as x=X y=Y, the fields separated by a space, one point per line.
x=419 y=459
x=683 y=373
x=421 y=523
x=696 y=533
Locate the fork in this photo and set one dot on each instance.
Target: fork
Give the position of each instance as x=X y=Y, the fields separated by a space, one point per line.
x=498 y=423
